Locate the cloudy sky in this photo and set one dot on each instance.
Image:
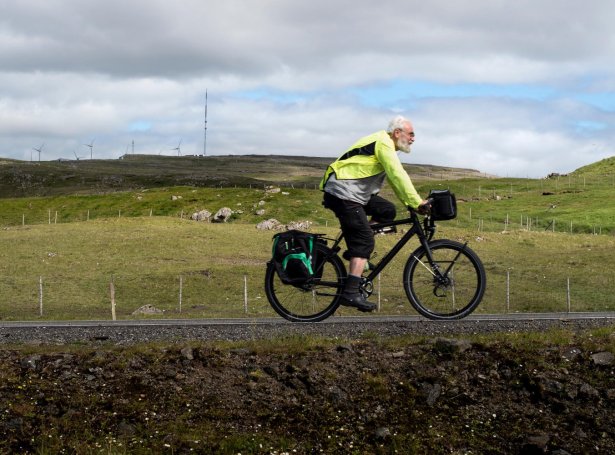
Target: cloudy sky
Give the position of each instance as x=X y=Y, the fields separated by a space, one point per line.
x=513 y=88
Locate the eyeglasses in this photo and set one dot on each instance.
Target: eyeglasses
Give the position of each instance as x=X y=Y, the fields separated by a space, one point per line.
x=409 y=133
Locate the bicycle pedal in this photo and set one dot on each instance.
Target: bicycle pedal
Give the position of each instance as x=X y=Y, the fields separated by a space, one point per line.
x=387 y=230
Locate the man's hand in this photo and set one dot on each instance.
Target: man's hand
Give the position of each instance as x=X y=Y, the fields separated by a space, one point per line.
x=424 y=207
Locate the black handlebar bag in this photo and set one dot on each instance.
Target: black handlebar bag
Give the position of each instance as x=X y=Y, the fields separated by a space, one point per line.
x=444 y=206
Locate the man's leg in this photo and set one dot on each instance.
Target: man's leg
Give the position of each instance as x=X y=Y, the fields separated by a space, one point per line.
x=380 y=209
x=360 y=242
x=356 y=266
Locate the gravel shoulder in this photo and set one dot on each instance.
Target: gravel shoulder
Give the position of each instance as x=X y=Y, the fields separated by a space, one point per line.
x=246 y=329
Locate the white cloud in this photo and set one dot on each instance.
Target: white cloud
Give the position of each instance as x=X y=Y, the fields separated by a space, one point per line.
x=73 y=70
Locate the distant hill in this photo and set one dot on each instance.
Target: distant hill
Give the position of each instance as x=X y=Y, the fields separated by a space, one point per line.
x=25 y=178
x=602 y=167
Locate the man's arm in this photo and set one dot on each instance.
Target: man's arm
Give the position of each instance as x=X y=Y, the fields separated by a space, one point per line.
x=398 y=177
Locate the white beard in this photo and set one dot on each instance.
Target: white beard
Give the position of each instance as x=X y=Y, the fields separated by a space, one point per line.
x=403 y=145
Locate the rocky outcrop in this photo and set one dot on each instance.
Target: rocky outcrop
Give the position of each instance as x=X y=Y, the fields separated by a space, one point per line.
x=222 y=215
x=202 y=215
x=275 y=225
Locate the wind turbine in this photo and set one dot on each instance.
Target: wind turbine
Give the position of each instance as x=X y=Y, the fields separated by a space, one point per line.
x=178 y=148
x=77 y=157
x=205 y=129
x=128 y=147
x=39 y=150
x=91 y=145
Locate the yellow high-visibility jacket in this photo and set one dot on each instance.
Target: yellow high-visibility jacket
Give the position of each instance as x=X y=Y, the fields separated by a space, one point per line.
x=360 y=172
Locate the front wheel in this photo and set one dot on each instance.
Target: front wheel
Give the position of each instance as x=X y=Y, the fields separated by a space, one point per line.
x=451 y=286
x=313 y=301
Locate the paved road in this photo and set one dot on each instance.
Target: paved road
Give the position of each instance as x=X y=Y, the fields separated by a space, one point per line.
x=180 y=331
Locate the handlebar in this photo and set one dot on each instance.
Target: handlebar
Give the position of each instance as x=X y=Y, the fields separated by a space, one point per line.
x=427 y=208
x=429 y=225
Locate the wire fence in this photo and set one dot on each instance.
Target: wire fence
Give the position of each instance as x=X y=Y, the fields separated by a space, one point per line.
x=53 y=296
x=197 y=295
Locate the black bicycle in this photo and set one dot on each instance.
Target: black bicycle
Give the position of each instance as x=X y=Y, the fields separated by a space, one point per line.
x=443 y=279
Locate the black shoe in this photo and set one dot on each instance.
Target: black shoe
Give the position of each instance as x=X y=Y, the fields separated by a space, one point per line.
x=357 y=301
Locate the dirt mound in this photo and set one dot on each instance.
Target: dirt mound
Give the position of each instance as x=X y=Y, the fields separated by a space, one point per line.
x=445 y=396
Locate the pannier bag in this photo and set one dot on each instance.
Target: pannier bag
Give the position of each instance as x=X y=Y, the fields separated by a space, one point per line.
x=444 y=206
x=294 y=256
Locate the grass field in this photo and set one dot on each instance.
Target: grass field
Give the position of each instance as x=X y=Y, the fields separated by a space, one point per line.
x=534 y=236
x=145 y=257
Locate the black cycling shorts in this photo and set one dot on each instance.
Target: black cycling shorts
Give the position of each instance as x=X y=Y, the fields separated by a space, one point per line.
x=358 y=234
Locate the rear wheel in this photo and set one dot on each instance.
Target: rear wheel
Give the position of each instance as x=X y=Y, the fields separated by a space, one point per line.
x=314 y=301
x=452 y=294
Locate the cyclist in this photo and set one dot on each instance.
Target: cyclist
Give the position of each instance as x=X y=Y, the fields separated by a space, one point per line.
x=351 y=185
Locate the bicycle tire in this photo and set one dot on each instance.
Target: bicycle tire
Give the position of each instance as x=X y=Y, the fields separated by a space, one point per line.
x=459 y=295
x=316 y=300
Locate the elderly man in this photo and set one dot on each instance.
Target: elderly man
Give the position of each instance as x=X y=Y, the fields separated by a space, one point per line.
x=351 y=185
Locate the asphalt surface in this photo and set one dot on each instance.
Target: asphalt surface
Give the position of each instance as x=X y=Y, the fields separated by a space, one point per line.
x=180 y=331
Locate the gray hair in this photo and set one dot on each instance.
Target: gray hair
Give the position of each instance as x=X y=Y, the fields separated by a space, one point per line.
x=397 y=123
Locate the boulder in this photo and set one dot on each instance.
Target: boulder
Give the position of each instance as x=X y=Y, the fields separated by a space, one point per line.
x=222 y=215
x=299 y=225
x=187 y=353
x=31 y=362
x=203 y=215
x=603 y=358
x=269 y=225
x=451 y=346
x=273 y=224
x=147 y=309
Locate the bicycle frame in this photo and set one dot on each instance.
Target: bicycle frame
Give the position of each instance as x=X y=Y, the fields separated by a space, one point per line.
x=455 y=276
x=416 y=229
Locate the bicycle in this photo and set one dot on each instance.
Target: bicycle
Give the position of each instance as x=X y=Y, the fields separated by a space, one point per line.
x=443 y=279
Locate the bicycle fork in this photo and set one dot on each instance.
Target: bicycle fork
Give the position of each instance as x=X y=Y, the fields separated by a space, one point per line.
x=441 y=280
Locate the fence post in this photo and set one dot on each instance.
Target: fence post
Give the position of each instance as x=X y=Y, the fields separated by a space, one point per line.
x=508 y=291
x=568 y=293
x=181 y=285
x=112 y=291
x=40 y=295
x=379 y=292
x=245 y=293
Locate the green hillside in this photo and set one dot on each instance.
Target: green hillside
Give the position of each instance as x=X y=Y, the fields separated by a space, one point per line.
x=572 y=203
x=537 y=237
x=605 y=167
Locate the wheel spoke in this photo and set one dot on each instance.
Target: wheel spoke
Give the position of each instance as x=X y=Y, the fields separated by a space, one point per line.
x=316 y=300
x=452 y=295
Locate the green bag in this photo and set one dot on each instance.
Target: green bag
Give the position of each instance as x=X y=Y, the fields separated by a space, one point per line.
x=294 y=256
